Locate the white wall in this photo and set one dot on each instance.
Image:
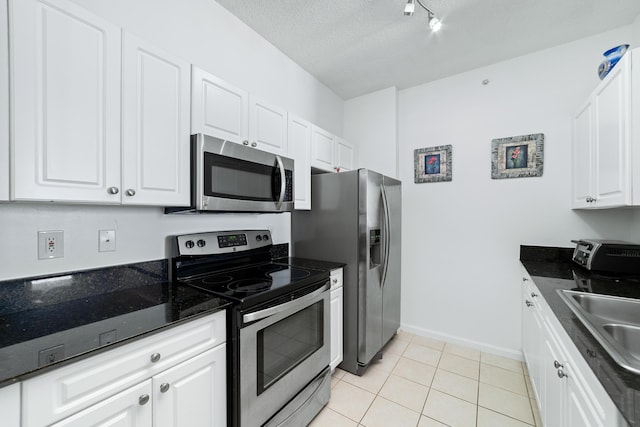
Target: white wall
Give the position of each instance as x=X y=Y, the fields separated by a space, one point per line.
x=461 y=238
x=203 y=33
x=635 y=40
x=371 y=122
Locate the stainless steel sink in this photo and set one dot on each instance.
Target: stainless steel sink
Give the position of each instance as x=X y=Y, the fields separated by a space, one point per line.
x=613 y=321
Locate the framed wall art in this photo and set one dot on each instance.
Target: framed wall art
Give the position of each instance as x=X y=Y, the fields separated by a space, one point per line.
x=432 y=164
x=517 y=156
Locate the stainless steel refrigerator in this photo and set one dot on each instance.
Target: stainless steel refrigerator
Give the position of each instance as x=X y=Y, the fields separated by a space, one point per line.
x=355 y=219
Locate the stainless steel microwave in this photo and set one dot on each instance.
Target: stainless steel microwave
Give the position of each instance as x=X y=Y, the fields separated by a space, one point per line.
x=226 y=176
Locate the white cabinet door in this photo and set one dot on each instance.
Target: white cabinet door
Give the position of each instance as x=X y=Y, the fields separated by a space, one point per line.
x=554 y=388
x=155 y=105
x=4 y=102
x=532 y=339
x=267 y=127
x=578 y=409
x=10 y=405
x=322 y=149
x=300 y=151
x=336 y=327
x=345 y=156
x=218 y=108
x=193 y=393
x=582 y=156
x=65 y=103
x=612 y=185
x=130 y=408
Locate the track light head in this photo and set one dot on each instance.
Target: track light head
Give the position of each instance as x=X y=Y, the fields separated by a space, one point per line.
x=434 y=23
x=409 y=8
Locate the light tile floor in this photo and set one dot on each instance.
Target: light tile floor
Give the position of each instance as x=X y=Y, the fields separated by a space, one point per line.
x=422 y=382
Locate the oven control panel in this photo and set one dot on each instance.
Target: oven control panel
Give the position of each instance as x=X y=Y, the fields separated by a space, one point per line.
x=220 y=242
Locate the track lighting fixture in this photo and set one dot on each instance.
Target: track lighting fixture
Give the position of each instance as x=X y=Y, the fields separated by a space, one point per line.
x=434 y=23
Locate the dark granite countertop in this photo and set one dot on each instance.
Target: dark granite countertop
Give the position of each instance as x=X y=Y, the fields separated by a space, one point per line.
x=86 y=312
x=311 y=263
x=551 y=269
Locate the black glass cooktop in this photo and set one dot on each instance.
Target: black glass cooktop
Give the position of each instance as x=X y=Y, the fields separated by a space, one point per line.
x=253 y=284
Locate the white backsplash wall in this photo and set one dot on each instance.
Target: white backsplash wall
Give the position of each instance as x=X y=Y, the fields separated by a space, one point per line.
x=461 y=239
x=141 y=234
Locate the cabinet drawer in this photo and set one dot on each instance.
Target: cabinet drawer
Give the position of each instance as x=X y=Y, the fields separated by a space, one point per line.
x=62 y=392
x=336 y=279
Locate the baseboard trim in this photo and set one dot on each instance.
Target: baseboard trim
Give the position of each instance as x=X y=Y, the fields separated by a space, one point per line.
x=487 y=348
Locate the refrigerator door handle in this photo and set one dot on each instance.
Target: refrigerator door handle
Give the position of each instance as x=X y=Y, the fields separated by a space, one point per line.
x=386 y=236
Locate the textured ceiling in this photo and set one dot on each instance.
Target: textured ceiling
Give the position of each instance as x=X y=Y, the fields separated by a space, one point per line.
x=359 y=46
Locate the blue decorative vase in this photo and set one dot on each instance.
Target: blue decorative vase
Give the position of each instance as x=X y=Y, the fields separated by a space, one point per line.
x=612 y=56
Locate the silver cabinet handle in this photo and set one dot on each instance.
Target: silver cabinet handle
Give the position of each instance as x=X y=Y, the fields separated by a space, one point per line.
x=529 y=303
x=524 y=279
x=533 y=295
x=245 y=142
x=113 y=190
x=561 y=373
x=254 y=144
x=164 y=387
x=334 y=280
x=144 y=399
x=130 y=192
x=155 y=357
x=557 y=364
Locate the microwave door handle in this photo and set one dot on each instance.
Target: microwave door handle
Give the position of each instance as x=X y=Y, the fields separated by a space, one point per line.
x=283 y=183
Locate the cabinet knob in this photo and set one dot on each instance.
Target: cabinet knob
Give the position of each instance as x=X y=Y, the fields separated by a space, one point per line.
x=557 y=364
x=334 y=281
x=130 y=192
x=144 y=399
x=245 y=142
x=254 y=144
x=155 y=357
x=533 y=295
x=164 y=387
x=561 y=373
x=524 y=279
x=113 y=190
x=529 y=303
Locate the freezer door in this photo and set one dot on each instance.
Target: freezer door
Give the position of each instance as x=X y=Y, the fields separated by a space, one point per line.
x=391 y=270
x=370 y=266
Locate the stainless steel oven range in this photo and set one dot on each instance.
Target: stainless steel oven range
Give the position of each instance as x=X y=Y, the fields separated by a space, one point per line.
x=278 y=357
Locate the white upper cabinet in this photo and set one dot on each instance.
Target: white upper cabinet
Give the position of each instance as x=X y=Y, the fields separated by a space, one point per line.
x=218 y=108
x=602 y=139
x=345 y=154
x=267 y=127
x=331 y=153
x=155 y=112
x=322 y=149
x=65 y=103
x=300 y=152
x=4 y=102
x=95 y=120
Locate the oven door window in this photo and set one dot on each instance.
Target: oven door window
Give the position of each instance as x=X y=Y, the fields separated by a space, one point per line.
x=233 y=178
x=285 y=344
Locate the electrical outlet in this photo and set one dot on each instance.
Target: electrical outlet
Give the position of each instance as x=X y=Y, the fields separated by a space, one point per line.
x=51 y=355
x=106 y=240
x=50 y=244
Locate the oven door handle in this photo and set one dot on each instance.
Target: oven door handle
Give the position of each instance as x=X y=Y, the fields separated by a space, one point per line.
x=283 y=181
x=299 y=302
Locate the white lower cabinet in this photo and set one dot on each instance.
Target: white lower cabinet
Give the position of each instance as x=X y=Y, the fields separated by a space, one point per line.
x=172 y=373
x=336 y=318
x=10 y=405
x=566 y=389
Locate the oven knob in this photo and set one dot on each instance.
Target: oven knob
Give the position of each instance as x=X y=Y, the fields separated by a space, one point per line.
x=259 y=238
x=201 y=243
x=189 y=244
x=265 y=237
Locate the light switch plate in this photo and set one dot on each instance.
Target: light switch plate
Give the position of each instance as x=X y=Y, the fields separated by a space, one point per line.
x=106 y=240
x=50 y=244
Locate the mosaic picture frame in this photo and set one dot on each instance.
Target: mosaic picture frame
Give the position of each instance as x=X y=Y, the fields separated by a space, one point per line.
x=432 y=164
x=517 y=156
